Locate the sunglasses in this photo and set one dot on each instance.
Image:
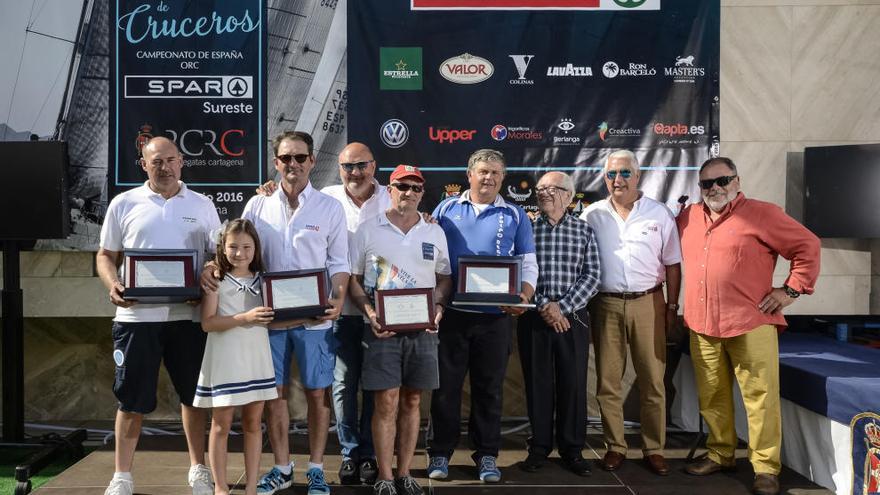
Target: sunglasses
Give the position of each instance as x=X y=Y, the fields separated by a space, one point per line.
x=300 y=158
x=349 y=167
x=406 y=187
x=722 y=181
x=612 y=174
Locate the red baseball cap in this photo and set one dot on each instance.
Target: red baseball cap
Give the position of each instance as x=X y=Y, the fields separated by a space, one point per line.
x=407 y=172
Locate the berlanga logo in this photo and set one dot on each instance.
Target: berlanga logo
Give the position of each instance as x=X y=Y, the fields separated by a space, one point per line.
x=521 y=62
x=566 y=125
x=466 y=69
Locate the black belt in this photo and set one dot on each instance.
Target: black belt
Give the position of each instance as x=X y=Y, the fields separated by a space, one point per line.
x=632 y=295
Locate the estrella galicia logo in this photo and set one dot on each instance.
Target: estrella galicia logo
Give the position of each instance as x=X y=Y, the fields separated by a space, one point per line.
x=394 y=133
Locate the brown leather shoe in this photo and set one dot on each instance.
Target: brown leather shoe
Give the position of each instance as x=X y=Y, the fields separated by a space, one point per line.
x=765 y=484
x=657 y=464
x=612 y=460
x=707 y=466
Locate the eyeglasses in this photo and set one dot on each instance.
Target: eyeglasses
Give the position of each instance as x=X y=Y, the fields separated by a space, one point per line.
x=550 y=190
x=406 y=187
x=722 y=181
x=349 y=167
x=612 y=174
x=171 y=161
x=300 y=158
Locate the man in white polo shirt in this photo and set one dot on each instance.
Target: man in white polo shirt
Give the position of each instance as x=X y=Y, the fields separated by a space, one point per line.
x=301 y=228
x=638 y=250
x=398 y=249
x=161 y=214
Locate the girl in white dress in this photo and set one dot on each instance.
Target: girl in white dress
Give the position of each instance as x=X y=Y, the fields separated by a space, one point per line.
x=237 y=366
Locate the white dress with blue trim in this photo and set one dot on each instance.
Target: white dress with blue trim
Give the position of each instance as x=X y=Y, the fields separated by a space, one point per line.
x=237 y=366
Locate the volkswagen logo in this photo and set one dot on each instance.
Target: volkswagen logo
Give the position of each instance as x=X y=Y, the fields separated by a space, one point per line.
x=394 y=133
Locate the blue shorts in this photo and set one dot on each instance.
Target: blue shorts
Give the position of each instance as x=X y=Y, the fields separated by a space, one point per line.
x=315 y=355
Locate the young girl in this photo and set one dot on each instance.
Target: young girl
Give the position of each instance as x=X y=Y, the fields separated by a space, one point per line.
x=237 y=367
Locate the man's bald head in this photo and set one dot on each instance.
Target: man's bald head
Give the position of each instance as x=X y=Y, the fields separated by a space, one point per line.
x=357 y=169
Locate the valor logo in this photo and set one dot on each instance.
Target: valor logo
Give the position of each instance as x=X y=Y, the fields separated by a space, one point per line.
x=522 y=64
x=394 y=133
x=400 y=68
x=466 y=69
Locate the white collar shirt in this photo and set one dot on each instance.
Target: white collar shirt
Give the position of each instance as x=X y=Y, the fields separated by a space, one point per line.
x=634 y=252
x=313 y=236
x=142 y=219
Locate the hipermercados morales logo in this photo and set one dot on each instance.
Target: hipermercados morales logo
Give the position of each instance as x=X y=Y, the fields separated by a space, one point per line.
x=515 y=133
x=466 y=69
x=394 y=133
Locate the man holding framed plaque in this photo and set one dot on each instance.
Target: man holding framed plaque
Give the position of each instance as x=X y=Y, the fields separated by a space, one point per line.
x=639 y=250
x=401 y=281
x=554 y=341
x=161 y=215
x=301 y=229
x=477 y=339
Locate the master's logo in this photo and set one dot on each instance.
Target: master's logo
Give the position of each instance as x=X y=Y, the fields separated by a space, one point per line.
x=566 y=125
x=684 y=71
x=443 y=135
x=180 y=86
x=143 y=137
x=521 y=62
x=466 y=69
x=451 y=191
x=394 y=133
x=498 y=133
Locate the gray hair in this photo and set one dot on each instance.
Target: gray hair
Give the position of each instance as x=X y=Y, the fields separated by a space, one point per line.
x=719 y=159
x=625 y=154
x=566 y=181
x=486 y=155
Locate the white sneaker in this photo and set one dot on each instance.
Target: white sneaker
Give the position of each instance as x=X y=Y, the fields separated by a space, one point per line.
x=120 y=486
x=200 y=480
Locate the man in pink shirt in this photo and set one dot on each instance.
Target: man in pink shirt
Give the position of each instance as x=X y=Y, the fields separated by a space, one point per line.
x=729 y=249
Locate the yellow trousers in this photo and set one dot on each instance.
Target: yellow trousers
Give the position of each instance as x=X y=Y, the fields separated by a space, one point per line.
x=753 y=358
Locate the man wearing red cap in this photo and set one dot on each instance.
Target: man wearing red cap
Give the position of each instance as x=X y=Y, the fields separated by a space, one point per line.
x=398 y=249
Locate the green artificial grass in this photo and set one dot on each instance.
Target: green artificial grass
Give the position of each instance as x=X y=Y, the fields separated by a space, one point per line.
x=9 y=458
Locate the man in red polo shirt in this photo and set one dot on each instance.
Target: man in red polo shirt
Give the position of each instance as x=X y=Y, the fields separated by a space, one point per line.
x=729 y=249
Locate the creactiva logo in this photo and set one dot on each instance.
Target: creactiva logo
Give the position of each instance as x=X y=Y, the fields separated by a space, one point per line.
x=140 y=24
x=450 y=135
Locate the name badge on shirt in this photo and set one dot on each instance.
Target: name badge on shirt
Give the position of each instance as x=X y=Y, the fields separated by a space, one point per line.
x=428 y=251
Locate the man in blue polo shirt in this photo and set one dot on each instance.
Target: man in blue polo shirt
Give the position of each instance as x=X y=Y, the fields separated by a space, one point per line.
x=479 y=222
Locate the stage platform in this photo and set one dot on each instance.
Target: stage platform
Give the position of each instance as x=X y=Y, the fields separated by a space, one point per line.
x=161 y=467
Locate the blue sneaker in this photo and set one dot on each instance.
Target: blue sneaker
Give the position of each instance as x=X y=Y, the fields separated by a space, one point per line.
x=316 y=483
x=438 y=468
x=489 y=472
x=275 y=480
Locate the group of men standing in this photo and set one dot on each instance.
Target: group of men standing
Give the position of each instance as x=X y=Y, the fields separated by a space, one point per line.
x=598 y=278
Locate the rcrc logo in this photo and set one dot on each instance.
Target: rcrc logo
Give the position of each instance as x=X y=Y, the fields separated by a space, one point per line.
x=394 y=133
x=450 y=135
x=192 y=142
x=678 y=129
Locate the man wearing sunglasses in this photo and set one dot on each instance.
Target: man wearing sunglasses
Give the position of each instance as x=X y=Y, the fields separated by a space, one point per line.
x=300 y=228
x=730 y=245
x=479 y=222
x=639 y=250
x=398 y=249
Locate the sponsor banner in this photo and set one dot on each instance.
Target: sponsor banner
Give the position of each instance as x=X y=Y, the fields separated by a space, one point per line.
x=535 y=4
x=541 y=93
x=192 y=72
x=401 y=68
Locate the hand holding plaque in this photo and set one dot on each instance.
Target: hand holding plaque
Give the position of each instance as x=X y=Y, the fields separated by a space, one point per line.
x=405 y=310
x=159 y=275
x=296 y=294
x=489 y=281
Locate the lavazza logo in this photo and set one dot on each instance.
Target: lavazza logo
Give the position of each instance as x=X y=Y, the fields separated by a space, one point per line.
x=684 y=71
x=612 y=69
x=566 y=126
x=466 y=69
x=521 y=62
x=569 y=70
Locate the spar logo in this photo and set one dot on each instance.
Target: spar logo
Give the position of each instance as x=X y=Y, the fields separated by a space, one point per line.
x=239 y=87
x=450 y=135
x=684 y=71
x=394 y=133
x=466 y=69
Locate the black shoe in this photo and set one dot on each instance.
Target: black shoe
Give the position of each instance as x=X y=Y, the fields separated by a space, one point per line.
x=578 y=466
x=532 y=463
x=348 y=473
x=407 y=485
x=369 y=471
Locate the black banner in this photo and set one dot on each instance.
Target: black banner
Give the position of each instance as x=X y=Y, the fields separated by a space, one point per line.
x=552 y=89
x=194 y=72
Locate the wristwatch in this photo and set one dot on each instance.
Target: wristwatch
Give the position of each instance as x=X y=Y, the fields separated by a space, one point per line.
x=672 y=306
x=790 y=292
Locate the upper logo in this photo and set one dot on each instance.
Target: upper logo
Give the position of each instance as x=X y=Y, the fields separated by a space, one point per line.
x=684 y=70
x=569 y=70
x=466 y=69
x=522 y=64
x=394 y=133
x=450 y=135
x=400 y=68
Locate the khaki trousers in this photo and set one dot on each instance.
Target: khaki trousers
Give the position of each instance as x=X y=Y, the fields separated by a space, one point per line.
x=753 y=358
x=638 y=325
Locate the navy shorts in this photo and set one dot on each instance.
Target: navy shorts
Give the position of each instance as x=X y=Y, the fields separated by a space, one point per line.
x=315 y=355
x=139 y=348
